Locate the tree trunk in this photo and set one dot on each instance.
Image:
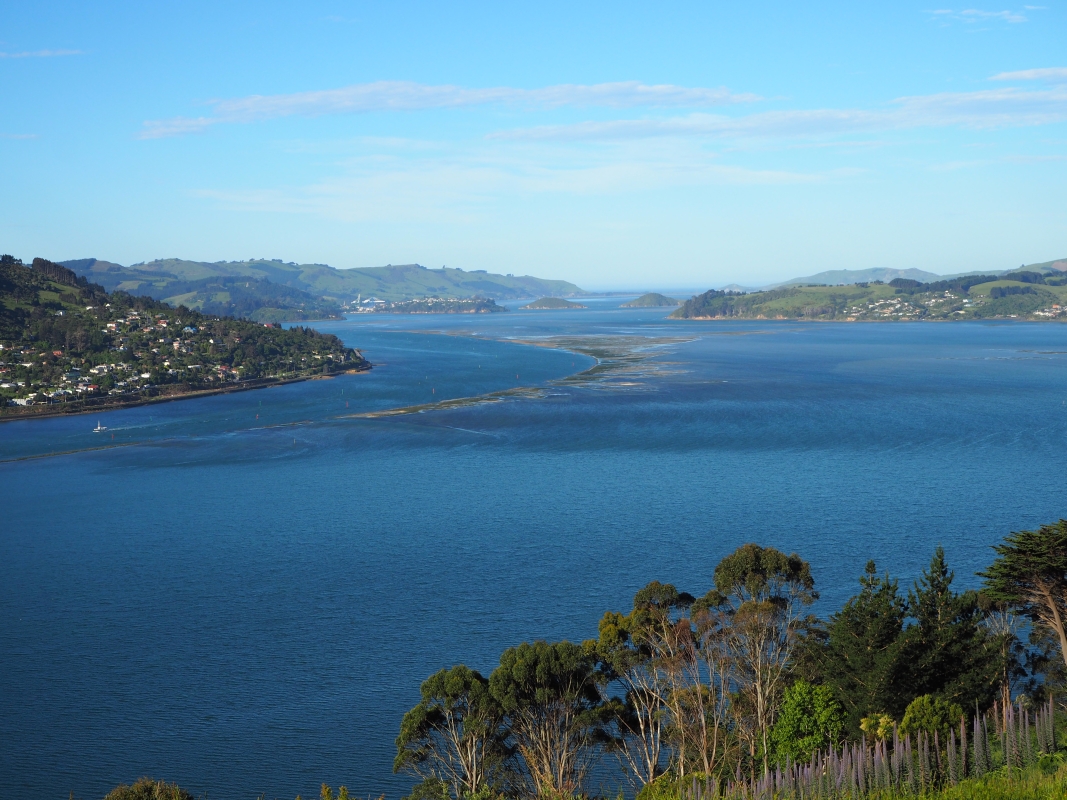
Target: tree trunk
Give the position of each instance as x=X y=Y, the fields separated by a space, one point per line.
x=1055 y=620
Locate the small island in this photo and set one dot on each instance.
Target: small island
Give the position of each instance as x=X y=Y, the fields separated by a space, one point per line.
x=68 y=346
x=550 y=304
x=652 y=300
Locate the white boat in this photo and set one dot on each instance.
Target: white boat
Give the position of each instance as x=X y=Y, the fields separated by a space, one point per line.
x=99 y=428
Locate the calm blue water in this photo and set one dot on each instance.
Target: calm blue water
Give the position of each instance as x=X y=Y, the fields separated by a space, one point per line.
x=248 y=605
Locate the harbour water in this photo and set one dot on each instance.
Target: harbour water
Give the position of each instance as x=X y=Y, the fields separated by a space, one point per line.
x=242 y=593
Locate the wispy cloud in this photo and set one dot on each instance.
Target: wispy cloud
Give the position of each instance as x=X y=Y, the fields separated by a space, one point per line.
x=953 y=166
x=42 y=54
x=177 y=126
x=409 y=96
x=974 y=15
x=1049 y=74
x=18 y=135
x=996 y=108
x=465 y=184
x=770 y=123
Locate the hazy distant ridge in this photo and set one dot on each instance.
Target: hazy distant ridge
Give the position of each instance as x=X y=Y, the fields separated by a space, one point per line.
x=886 y=274
x=166 y=278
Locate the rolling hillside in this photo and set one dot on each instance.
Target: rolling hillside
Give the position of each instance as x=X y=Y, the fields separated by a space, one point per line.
x=851 y=276
x=162 y=278
x=1016 y=295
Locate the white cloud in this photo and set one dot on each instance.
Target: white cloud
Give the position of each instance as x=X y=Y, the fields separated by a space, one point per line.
x=953 y=166
x=985 y=109
x=466 y=185
x=42 y=54
x=18 y=136
x=1035 y=159
x=1050 y=74
x=409 y=96
x=178 y=126
x=770 y=123
x=974 y=15
x=997 y=108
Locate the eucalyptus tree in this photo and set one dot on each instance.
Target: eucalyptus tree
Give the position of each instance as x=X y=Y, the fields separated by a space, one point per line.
x=759 y=595
x=454 y=735
x=717 y=699
x=554 y=711
x=641 y=718
x=1030 y=573
x=660 y=624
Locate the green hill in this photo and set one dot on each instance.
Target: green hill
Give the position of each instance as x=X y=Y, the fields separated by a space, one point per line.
x=550 y=303
x=652 y=300
x=68 y=345
x=884 y=274
x=256 y=299
x=340 y=286
x=1022 y=295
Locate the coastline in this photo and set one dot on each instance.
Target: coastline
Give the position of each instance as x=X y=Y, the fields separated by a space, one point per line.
x=671 y=318
x=621 y=356
x=64 y=410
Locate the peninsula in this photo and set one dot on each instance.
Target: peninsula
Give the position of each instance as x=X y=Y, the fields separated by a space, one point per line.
x=1024 y=294
x=69 y=346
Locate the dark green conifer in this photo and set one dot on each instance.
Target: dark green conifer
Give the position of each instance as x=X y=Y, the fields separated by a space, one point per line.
x=862 y=655
x=948 y=652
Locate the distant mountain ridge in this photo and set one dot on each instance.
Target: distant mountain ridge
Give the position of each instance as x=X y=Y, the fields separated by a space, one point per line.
x=161 y=277
x=884 y=274
x=887 y=274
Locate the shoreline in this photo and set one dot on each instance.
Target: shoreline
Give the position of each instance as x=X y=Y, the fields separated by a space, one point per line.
x=612 y=355
x=853 y=321
x=58 y=410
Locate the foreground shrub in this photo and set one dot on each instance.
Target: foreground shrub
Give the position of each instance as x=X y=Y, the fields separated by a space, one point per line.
x=148 y=789
x=810 y=720
x=929 y=714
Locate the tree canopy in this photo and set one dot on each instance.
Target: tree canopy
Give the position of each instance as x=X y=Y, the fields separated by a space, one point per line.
x=1030 y=572
x=453 y=735
x=551 y=696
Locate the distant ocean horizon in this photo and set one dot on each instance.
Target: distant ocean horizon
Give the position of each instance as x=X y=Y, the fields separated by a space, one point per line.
x=244 y=593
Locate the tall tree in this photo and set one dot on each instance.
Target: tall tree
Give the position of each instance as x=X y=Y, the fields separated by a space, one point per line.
x=453 y=735
x=760 y=593
x=554 y=709
x=641 y=717
x=659 y=624
x=1030 y=572
x=862 y=654
x=948 y=650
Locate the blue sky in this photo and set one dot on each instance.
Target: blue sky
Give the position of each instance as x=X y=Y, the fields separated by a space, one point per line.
x=617 y=145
